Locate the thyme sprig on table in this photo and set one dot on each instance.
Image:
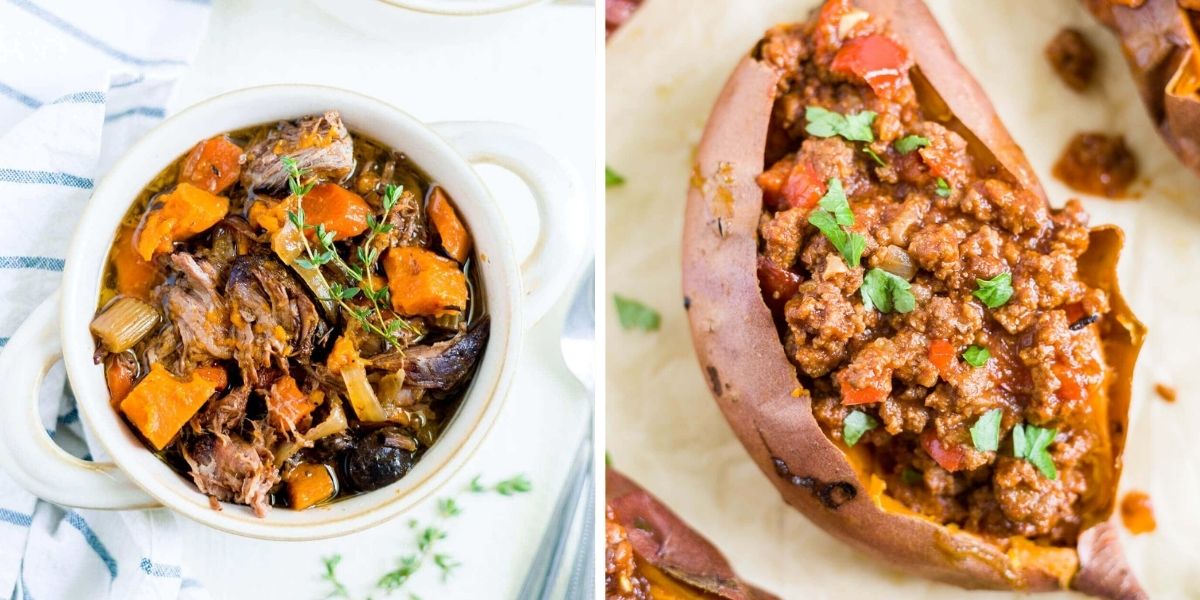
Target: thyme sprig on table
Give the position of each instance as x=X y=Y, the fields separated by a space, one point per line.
x=367 y=256
x=426 y=538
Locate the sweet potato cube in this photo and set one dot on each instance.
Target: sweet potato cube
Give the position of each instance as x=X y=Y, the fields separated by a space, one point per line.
x=160 y=404
x=423 y=283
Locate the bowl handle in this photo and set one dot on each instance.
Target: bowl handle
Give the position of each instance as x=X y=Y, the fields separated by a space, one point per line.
x=26 y=451
x=557 y=253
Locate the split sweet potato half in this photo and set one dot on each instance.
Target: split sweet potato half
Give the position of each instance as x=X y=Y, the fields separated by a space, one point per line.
x=758 y=384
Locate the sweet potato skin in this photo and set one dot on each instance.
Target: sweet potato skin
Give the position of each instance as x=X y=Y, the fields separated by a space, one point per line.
x=743 y=360
x=666 y=542
x=1156 y=39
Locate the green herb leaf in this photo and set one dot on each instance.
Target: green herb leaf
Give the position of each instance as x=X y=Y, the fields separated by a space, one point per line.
x=976 y=356
x=835 y=202
x=910 y=475
x=874 y=157
x=448 y=507
x=612 y=178
x=476 y=486
x=996 y=291
x=886 y=292
x=855 y=425
x=515 y=485
x=297 y=218
x=909 y=143
x=635 y=315
x=943 y=188
x=826 y=123
x=391 y=195
x=608 y=462
x=1031 y=442
x=985 y=433
x=445 y=564
x=330 y=576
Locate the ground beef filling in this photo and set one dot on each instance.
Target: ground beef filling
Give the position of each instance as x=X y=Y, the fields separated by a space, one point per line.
x=621 y=578
x=935 y=218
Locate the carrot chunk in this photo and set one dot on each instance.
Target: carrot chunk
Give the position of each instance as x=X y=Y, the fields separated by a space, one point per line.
x=118 y=378
x=160 y=404
x=867 y=395
x=136 y=276
x=176 y=216
x=340 y=210
x=213 y=165
x=308 y=484
x=450 y=229
x=423 y=283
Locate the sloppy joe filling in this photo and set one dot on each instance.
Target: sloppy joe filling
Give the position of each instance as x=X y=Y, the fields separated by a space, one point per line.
x=622 y=581
x=931 y=305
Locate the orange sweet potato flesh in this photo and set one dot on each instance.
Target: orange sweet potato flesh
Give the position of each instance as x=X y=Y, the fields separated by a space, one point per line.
x=212 y=165
x=675 y=560
x=423 y=283
x=160 y=404
x=176 y=216
x=341 y=211
x=455 y=239
x=755 y=385
x=308 y=485
x=1160 y=47
x=136 y=276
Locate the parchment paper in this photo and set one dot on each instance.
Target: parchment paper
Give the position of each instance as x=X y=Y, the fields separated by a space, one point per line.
x=664 y=70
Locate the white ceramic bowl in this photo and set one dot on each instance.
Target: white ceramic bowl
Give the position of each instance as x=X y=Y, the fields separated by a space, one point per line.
x=137 y=478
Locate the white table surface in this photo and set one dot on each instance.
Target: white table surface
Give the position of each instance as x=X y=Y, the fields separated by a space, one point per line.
x=533 y=67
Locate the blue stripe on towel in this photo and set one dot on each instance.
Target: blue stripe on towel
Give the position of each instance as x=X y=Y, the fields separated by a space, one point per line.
x=88 y=39
x=94 y=542
x=90 y=97
x=146 y=111
x=127 y=83
x=25 y=595
x=3 y=342
x=44 y=177
x=15 y=518
x=188 y=582
x=42 y=263
x=71 y=417
x=25 y=99
x=160 y=570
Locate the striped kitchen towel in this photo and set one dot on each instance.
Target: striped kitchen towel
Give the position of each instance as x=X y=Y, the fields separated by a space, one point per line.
x=79 y=81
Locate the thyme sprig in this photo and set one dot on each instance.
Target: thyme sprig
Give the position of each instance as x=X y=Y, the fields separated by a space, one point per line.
x=427 y=537
x=326 y=253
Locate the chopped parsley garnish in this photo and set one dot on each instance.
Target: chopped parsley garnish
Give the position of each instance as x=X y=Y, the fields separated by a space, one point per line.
x=943 y=188
x=985 y=433
x=612 y=178
x=635 y=315
x=875 y=157
x=886 y=292
x=826 y=123
x=1030 y=443
x=856 y=424
x=909 y=143
x=832 y=217
x=976 y=356
x=994 y=292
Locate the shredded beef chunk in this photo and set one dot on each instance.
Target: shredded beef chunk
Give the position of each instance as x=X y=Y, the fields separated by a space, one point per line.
x=196 y=309
x=933 y=223
x=233 y=470
x=320 y=145
x=272 y=316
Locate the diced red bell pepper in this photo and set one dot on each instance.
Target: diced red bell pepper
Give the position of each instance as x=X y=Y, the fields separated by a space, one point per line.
x=941 y=354
x=949 y=457
x=852 y=396
x=876 y=59
x=829 y=21
x=1069 y=388
x=778 y=284
x=790 y=184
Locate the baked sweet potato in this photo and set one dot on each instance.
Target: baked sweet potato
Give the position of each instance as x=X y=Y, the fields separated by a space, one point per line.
x=649 y=549
x=1159 y=41
x=907 y=226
